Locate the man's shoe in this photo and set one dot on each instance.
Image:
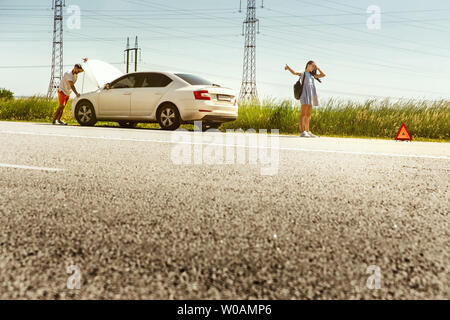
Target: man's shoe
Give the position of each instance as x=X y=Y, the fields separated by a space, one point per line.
x=55 y=122
x=312 y=135
x=62 y=122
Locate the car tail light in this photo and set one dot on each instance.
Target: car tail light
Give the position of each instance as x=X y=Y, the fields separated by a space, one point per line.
x=202 y=95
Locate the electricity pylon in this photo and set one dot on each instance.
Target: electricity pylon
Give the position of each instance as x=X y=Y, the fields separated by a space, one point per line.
x=134 y=54
x=250 y=28
x=57 y=51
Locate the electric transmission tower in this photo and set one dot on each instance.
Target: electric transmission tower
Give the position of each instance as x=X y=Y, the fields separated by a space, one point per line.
x=134 y=54
x=57 y=51
x=249 y=30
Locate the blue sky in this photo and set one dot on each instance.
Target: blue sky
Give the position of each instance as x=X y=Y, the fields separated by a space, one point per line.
x=409 y=56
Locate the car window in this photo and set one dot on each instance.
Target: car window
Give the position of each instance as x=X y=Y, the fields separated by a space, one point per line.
x=128 y=81
x=193 y=80
x=155 y=80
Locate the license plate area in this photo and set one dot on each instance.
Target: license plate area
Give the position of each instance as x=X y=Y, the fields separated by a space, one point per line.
x=222 y=97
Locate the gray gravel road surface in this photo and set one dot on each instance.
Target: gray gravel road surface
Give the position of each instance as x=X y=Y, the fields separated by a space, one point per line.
x=333 y=218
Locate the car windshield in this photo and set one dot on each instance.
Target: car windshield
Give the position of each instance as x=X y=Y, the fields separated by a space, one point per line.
x=193 y=80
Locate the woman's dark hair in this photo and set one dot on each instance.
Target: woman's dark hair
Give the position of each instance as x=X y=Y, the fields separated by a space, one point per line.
x=307 y=64
x=314 y=72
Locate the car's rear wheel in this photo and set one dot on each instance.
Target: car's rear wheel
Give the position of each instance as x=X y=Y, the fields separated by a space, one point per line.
x=85 y=113
x=168 y=117
x=128 y=124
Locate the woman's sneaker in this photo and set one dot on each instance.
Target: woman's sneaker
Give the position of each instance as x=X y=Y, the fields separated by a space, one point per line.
x=62 y=122
x=305 y=134
x=312 y=135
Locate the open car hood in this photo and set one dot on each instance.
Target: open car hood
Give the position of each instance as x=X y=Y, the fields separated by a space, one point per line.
x=100 y=73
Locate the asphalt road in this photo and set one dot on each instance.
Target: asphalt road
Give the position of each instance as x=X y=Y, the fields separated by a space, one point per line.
x=116 y=204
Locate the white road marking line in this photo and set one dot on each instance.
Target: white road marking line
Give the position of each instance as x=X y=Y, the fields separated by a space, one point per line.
x=420 y=156
x=17 y=166
x=381 y=154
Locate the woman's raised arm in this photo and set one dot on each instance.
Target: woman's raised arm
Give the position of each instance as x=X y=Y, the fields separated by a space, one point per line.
x=291 y=71
x=321 y=75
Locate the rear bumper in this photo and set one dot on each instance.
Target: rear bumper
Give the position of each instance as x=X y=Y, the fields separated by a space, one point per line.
x=207 y=111
x=209 y=116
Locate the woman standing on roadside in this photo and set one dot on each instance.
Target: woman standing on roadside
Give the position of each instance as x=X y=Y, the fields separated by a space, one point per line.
x=308 y=97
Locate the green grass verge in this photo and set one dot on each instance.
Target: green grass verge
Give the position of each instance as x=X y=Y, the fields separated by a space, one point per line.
x=426 y=120
x=372 y=118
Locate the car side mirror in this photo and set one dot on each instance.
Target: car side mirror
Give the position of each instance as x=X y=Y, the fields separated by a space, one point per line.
x=107 y=86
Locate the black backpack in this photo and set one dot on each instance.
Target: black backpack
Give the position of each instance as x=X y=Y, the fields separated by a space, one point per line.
x=298 y=88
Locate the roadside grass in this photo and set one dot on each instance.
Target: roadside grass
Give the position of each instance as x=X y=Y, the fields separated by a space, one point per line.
x=426 y=120
x=371 y=118
x=30 y=109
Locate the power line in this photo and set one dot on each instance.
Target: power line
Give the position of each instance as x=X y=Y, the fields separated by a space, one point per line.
x=348 y=40
x=44 y=66
x=214 y=60
x=195 y=36
x=387 y=13
x=153 y=26
x=377 y=44
x=346 y=11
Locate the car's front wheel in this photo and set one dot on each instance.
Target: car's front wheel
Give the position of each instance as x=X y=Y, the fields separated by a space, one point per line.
x=85 y=113
x=168 y=117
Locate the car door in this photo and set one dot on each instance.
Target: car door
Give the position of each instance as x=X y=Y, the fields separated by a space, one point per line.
x=146 y=97
x=116 y=100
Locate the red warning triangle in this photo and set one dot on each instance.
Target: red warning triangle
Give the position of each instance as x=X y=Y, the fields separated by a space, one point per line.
x=403 y=133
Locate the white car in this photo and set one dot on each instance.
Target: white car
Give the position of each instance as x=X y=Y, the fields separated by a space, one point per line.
x=167 y=98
